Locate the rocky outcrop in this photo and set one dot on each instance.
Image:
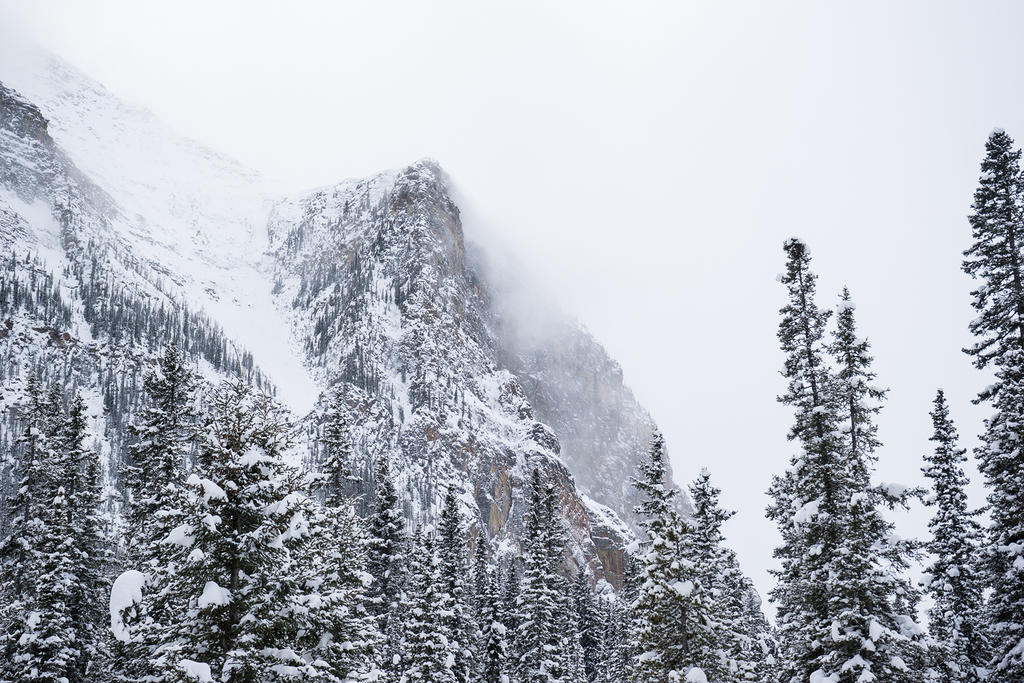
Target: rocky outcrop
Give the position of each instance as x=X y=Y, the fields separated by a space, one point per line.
x=375 y=279
x=372 y=277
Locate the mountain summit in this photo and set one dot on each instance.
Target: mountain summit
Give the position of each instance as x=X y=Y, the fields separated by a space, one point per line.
x=366 y=291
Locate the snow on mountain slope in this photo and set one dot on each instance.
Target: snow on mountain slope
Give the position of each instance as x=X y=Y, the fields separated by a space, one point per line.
x=365 y=286
x=195 y=217
x=181 y=200
x=376 y=278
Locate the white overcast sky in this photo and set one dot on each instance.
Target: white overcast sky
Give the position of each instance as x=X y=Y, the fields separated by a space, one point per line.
x=646 y=160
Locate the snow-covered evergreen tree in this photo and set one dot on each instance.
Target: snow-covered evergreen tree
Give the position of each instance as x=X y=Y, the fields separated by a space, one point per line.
x=49 y=649
x=455 y=607
x=387 y=552
x=846 y=608
x=995 y=258
x=589 y=623
x=872 y=603
x=542 y=654
x=336 y=464
x=740 y=641
x=509 y=585
x=21 y=549
x=237 y=599
x=613 y=659
x=493 y=648
x=620 y=659
x=673 y=628
x=807 y=507
x=482 y=576
x=758 y=633
x=55 y=617
x=427 y=652
x=858 y=399
x=94 y=560
x=330 y=559
x=162 y=436
x=960 y=649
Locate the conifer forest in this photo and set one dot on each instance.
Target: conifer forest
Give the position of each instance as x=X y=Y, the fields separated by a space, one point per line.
x=255 y=436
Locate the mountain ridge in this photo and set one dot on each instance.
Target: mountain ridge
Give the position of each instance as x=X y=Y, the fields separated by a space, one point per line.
x=375 y=320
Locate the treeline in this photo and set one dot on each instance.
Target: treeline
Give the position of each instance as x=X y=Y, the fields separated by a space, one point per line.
x=237 y=567
x=39 y=311
x=114 y=312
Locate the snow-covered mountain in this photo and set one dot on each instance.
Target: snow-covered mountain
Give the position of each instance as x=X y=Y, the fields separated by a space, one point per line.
x=119 y=236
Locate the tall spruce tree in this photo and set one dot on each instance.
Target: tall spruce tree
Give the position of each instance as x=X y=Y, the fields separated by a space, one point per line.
x=510 y=586
x=161 y=438
x=541 y=648
x=673 y=628
x=330 y=559
x=758 y=635
x=493 y=649
x=49 y=649
x=427 y=652
x=995 y=258
x=622 y=608
x=386 y=559
x=59 y=620
x=872 y=602
x=846 y=608
x=455 y=607
x=960 y=649
x=482 y=576
x=590 y=623
x=93 y=559
x=858 y=399
x=807 y=502
x=613 y=659
x=21 y=550
x=336 y=464
x=741 y=640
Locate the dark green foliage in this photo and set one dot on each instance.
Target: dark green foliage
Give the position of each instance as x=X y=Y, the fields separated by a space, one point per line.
x=673 y=629
x=542 y=652
x=427 y=653
x=960 y=647
x=845 y=608
x=454 y=599
x=995 y=258
x=387 y=551
x=56 y=560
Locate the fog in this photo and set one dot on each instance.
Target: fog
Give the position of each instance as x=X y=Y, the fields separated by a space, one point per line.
x=645 y=161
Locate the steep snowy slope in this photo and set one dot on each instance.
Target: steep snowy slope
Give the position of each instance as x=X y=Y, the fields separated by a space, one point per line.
x=129 y=236
x=78 y=308
x=374 y=273
x=194 y=217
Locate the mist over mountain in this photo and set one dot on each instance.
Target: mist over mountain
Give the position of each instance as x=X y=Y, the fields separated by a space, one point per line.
x=252 y=433
x=367 y=285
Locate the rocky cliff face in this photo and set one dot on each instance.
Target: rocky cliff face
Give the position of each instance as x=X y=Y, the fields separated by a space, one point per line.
x=375 y=276
x=365 y=287
x=578 y=389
